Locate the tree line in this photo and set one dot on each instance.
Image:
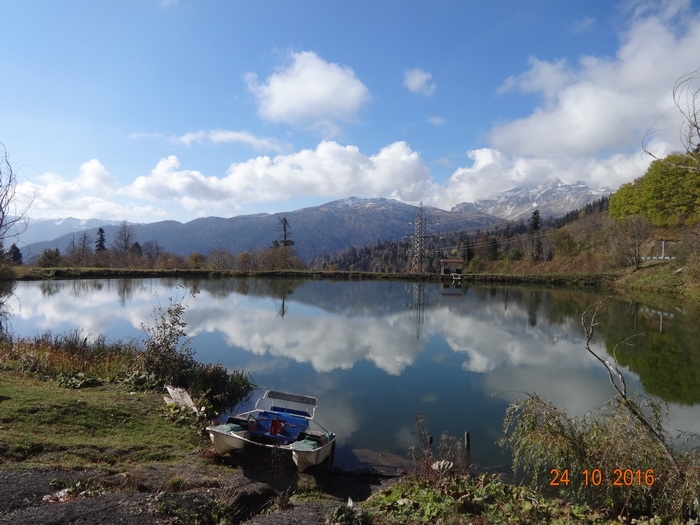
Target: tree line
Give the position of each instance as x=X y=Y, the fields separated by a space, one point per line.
x=123 y=251
x=535 y=239
x=667 y=195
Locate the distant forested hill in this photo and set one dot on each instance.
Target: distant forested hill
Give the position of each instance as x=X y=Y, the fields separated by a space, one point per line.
x=315 y=230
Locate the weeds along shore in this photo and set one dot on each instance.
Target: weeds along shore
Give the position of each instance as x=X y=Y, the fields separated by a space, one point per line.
x=76 y=360
x=74 y=401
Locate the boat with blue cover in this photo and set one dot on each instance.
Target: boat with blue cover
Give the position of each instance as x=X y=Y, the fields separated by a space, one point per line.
x=282 y=421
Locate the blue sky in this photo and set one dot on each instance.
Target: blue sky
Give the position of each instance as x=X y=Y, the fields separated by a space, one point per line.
x=147 y=110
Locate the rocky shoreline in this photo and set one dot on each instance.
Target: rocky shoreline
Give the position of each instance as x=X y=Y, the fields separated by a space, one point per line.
x=254 y=491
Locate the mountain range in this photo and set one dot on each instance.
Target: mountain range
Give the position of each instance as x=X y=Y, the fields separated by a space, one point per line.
x=316 y=230
x=320 y=229
x=552 y=198
x=38 y=230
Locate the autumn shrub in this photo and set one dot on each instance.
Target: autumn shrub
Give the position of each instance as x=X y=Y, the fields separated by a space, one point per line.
x=223 y=388
x=606 y=458
x=167 y=355
x=620 y=457
x=451 y=454
x=168 y=358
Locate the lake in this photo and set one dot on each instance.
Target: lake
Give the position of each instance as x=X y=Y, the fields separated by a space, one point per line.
x=378 y=353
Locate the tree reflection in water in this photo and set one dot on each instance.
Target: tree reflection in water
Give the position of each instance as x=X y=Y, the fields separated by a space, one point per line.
x=7 y=289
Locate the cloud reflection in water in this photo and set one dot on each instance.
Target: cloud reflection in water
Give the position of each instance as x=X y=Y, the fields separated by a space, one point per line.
x=358 y=348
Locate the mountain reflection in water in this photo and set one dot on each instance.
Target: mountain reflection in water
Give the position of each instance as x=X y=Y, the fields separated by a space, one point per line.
x=376 y=353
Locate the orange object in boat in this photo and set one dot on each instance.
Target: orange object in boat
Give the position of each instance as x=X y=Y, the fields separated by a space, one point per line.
x=276 y=427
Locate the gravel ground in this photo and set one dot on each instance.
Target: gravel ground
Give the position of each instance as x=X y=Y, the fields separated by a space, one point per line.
x=252 y=491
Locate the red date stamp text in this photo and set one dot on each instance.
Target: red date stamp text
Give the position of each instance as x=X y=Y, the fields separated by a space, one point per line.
x=595 y=477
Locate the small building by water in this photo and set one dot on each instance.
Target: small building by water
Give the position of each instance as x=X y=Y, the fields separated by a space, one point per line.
x=451 y=266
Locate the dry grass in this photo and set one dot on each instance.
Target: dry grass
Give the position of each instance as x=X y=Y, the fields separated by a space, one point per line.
x=49 y=355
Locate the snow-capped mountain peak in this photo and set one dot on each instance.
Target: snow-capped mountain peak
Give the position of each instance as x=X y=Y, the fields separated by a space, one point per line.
x=552 y=197
x=42 y=229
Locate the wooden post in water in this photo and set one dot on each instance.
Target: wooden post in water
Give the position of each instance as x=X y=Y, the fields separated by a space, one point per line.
x=467 y=446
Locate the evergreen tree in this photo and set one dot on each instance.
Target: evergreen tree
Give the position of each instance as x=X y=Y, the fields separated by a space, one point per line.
x=286 y=237
x=136 y=250
x=469 y=252
x=281 y=256
x=14 y=255
x=534 y=225
x=535 y=238
x=100 y=242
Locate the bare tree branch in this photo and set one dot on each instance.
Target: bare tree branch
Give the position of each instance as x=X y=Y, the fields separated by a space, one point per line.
x=13 y=219
x=589 y=319
x=686 y=99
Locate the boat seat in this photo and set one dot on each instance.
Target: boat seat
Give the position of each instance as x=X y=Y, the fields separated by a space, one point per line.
x=290 y=420
x=320 y=438
x=230 y=427
x=293 y=411
x=237 y=421
x=279 y=437
x=305 y=444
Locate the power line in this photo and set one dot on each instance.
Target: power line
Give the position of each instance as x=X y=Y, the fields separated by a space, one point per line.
x=419 y=245
x=421 y=237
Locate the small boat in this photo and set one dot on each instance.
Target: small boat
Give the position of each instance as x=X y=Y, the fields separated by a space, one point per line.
x=282 y=421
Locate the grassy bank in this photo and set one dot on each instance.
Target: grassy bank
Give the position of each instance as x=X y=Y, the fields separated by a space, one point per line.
x=69 y=402
x=105 y=454
x=657 y=279
x=574 y=279
x=46 y=425
x=108 y=429
x=65 y=404
x=663 y=278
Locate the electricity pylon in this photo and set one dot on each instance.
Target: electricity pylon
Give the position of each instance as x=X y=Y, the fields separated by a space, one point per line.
x=419 y=243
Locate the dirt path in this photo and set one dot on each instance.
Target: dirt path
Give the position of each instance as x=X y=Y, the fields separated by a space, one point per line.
x=252 y=491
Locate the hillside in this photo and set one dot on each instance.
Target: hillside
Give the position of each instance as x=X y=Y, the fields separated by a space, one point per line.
x=315 y=230
x=323 y=229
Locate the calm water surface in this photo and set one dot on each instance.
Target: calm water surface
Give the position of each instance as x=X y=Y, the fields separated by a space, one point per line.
x=375 y=354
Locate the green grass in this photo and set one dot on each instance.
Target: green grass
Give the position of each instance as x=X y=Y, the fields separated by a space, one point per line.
x=474 y=500
x=654 y=277
x=576 y=279
x=42 y=424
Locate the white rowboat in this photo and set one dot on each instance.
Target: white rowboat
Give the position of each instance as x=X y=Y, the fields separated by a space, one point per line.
x=280 y=421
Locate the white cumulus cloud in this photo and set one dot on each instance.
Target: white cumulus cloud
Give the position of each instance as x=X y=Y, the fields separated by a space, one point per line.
x=492 y=172
x=83 y=196
x=94 y=176
x=419 y=81
x=310 y=91
x=194 y=191
x=332 y=170
x=603 y=104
